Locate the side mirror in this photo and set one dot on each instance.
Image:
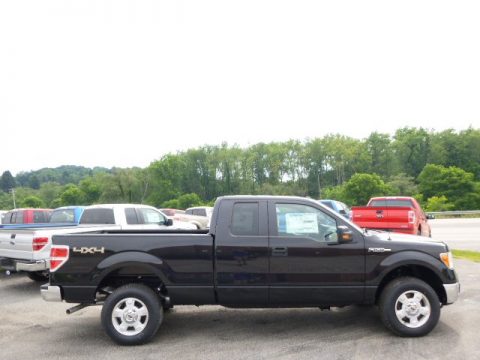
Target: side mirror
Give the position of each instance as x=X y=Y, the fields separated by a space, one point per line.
x=169 y=222
x=345 y=235
x=342 y=212
x=430 y=216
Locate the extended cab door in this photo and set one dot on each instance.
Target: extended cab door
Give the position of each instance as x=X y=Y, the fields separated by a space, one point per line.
x=308 y=266
x=241 y=251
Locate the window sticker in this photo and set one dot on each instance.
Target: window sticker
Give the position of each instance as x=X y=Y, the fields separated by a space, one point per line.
x=301 y=223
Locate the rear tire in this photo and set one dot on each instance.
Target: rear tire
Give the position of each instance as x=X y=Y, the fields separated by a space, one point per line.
x=409 y=307
x=132 y=314
x=38 y=276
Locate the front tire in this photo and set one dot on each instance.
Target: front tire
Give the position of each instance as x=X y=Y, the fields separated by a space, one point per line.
x=409 y=307
x=132 y=314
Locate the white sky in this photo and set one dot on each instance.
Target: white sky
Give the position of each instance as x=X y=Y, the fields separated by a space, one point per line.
x=121 y=83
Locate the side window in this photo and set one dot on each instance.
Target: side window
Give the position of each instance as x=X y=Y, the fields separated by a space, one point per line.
x=17 y=217
x=199 y=212
x=189 y=212
x=7 y=219
x=131 y=216
x=98 y=216
x=245 y=219
x=39 y=217
x=151 y=216
x=305 y=221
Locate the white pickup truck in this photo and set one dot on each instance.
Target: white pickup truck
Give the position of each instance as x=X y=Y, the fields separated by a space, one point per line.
x=29 y=249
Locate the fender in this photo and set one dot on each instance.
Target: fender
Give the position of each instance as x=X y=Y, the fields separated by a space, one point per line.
x=405 y=258
x=130 y=258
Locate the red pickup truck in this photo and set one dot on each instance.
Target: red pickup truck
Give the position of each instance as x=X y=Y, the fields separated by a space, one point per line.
x=396 y=214
x=27 y=216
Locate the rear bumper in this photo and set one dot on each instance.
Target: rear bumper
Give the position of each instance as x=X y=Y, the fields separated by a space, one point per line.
x=23 y=265
x=51 y=293
x=452 y=291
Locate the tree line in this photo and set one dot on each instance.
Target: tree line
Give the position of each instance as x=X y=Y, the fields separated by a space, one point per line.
x=441 y=169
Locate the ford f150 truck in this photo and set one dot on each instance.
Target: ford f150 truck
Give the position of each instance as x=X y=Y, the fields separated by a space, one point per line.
x=260 y=251
x=397 y=214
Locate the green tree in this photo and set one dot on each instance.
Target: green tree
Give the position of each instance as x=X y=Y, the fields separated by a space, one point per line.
x=438 y=203
x=189 y=200
x=454 y=183
x=72 y=195
x=7 y=182
x=412 y=149
x=402 y=185
x=32 y=202
x=361 y=187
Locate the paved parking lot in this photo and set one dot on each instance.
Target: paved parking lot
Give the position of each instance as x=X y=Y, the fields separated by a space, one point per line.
x=31 y=328
x=461 y=234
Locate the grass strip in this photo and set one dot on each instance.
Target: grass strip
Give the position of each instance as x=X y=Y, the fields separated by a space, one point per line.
x=467 y=255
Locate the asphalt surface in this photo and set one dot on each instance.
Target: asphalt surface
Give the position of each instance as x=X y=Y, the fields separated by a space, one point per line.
x=33 y=329
x=461 y=234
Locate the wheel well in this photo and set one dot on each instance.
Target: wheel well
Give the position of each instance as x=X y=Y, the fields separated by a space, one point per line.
x=130 y=275
x=418 y=272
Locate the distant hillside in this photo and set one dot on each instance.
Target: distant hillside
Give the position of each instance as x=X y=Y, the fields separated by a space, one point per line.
x=66 y=174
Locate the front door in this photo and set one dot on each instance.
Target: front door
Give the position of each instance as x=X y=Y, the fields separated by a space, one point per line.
x=241 y=251
x=308 y=266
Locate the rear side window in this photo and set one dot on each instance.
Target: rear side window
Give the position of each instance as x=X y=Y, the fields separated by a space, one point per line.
x=17 y=217
x=199 y=212
x=245 y=219
x=131 y=216
x=7 y=218
x=98 y=216
x=63 y=216
x=40 y=217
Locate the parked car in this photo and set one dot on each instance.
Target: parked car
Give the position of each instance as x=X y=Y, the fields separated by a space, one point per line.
x=338 y=207
x=131 y=216
x=393 y=213
x=27 y=216
x=200 y=211
x=200 y=222
x=316 y=258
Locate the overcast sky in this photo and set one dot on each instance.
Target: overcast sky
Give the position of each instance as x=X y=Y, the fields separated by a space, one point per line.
x=121 y=83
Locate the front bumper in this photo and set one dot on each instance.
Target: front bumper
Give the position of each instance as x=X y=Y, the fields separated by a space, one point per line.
x=51 y=293
x=452 y=291
x=23 y=265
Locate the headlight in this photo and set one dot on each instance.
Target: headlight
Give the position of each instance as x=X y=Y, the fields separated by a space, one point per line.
x=447 y=259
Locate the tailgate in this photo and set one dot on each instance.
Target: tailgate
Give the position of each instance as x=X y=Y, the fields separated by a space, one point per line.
x=16 y=244
x=398 y=218
x=371 y=217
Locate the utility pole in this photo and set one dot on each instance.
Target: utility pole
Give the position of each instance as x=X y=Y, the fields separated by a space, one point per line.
x=13 y=195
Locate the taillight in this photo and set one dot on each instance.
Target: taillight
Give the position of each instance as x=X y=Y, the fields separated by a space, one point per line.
x=411 y=217
x=39 y=243
x=58 y=256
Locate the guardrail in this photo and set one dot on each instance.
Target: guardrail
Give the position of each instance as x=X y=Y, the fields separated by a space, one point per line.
x=455 y=213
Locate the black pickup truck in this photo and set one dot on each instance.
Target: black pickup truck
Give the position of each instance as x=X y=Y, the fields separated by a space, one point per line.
x=260 y=251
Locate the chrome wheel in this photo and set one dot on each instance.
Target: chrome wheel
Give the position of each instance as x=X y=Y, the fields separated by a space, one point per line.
x=412 y=309
x=130 y=316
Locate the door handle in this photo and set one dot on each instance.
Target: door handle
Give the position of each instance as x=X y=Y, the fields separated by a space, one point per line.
x=280 y=251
